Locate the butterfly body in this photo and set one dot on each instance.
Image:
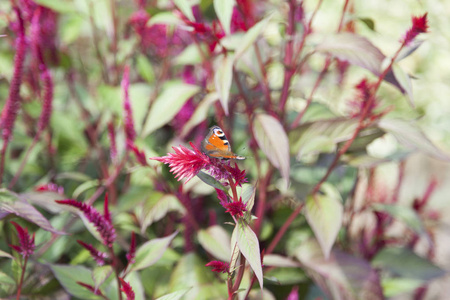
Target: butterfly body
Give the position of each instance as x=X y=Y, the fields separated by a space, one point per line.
x=216 y=145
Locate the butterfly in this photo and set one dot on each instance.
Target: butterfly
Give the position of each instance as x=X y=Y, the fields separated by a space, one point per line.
x=216 y=145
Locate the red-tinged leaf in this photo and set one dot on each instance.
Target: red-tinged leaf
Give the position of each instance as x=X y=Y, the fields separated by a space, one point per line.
x=209 y=180
x=216 y=241
x=25 y=210
x=355 y=49
x=250 y=37
x=185 y=7
x=175 y=295
x=342 y=275
x=324 y=213
x=151 y=251
x=411 y=136
x=273 y=141
x=249 y=246
x=223 y=78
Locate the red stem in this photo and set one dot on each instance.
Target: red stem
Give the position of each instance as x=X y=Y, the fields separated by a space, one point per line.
x=19 y=287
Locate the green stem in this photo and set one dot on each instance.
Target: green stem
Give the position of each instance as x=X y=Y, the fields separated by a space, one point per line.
x=19 y=287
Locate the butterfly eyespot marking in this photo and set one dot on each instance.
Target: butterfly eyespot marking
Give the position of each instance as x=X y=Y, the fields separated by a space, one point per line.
x=216 y=145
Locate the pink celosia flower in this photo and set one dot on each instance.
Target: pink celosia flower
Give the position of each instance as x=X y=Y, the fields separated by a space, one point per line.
x=132 y=252
x=26 y=247
x=186 y=163
x=127 y=289
x=9 y=112
x=364 y=90
x=112 y=141
x=223 y=198
x=97 y=255
x=91 y=288
x=236 y=208
x=419 y=25
x=130 y=133
x=293 y=295
x=218 y=266
x=103 y=225
x=140 y=155
x=51 y=187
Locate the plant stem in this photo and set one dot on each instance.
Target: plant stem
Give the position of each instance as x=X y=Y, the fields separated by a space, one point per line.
x=19 y=287
x=116 y=270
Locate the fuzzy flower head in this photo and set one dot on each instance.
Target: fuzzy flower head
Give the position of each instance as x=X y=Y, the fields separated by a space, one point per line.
x=364 y=91
x=236 y=208
x=127 y=289
x=26 y=247
x=97 y=255
x=187 y=163
x=218 y=266
x=102 y=223
x=419 y=25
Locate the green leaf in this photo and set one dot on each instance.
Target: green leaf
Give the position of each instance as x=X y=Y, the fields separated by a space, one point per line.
x=68 y=276
x=355 y=49
x=167 y=18
x=171 y=99
x=404 y=214
x=185 y=7
x=216 y=241
x=285 y=276
x=145 y=68
x=191 y=55
x=209 y=180
x=344 y=276
x=404 y=80
x=24 y=210
x=411 y=136
x=249 y=246
x=200 y=113
x=151 y=251
x=273 y=141
x=155 y=211
x=223 y=79
x=85 y=186
x=405 y=263
x=247 y=193
x=175 y=295
x=5 y=279
x=369 y=23
x=275 y=260
x=224 y=10
x=396 y=286
x=250 y=37
x=5 y=254
x=100 y=274
x=324 y=213
x=57 y=6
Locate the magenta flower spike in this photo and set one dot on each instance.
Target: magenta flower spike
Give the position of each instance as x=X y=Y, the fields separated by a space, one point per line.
x=236 y=208
x=26 y=247
x=130 y=133
x=218 y=266
x=127 y=289
x=132 y=252
x=419 y=25
x=103 y=224
x=97 y=255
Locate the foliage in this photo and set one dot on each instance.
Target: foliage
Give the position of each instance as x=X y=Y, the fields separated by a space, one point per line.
x=107 y=188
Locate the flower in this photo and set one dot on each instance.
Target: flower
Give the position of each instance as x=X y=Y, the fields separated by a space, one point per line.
x=223 y=198
x=94 y=290
x=97 y=255
x=112 y=141
x=218 y=266
x=186 y=163
x=236 y=208
x=132 y=252
x=26 y=247
x=103 y=224
x=127 y=289
x=130 y=133
x=419 y=25
x=140 y=155
x=50 y=187
x=364 y=91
